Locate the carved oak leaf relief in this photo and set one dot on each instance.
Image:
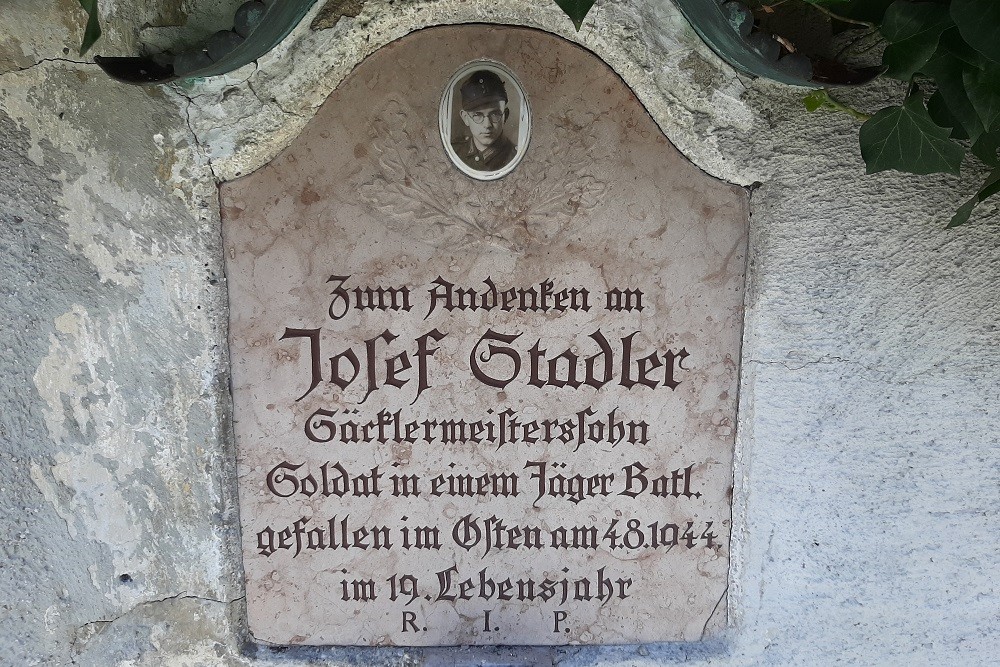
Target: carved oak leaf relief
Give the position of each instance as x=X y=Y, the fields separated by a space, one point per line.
x=419 y=191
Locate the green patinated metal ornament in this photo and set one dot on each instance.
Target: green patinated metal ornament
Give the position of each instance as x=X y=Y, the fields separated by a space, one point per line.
x=258 y=28
x=728 y=29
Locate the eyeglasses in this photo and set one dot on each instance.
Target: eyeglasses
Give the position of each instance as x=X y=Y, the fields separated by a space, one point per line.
x=478 y=117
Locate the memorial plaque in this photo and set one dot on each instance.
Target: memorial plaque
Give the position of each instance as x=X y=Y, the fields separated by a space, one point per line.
x=485 y=333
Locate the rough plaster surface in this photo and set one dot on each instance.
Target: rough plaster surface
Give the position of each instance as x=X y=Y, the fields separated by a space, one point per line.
x=114 y=395
x=868 y=475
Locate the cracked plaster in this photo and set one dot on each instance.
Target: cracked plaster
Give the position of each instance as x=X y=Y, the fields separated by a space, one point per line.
x=867 y=472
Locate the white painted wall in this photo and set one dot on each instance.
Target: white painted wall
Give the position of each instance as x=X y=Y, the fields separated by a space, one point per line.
x=868 y=481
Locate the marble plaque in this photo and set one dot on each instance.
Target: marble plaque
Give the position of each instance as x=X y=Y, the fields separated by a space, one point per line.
x=482 y=408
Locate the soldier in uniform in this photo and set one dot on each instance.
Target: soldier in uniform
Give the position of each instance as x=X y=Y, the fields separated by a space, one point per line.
x=484 y=112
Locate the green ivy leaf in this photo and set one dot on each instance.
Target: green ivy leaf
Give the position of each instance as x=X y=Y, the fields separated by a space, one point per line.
x=906 y=139
x=990 y=188
x=821 y=99
x=93 y=30
x=983 y=89
x=576 y=10
x=815 y=100
x=941 y=115
x=912 y=30
x=979 y=22
x=987 y=148
x=950 y=62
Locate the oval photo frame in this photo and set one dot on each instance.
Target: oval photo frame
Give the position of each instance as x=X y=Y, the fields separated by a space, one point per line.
x=485 y=120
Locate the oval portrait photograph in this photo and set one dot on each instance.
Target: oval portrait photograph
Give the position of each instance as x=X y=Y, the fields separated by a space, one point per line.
x=485 y=120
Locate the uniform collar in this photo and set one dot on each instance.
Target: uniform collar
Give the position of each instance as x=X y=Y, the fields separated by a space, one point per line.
x=487 y=153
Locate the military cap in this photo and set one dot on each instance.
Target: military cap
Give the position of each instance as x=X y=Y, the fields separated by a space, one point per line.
x=483 y=88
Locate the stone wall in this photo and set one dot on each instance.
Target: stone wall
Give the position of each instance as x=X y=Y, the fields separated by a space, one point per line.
x=868 y=476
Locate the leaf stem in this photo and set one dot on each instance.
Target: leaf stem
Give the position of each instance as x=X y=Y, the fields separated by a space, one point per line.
x=831 y=103
x=770 y=8
x=839 y=17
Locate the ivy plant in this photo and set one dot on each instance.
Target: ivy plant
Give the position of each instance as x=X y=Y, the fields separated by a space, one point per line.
x=951 y=48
